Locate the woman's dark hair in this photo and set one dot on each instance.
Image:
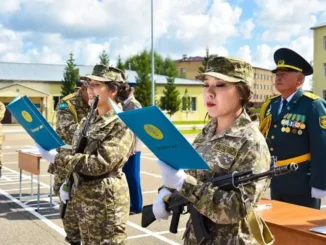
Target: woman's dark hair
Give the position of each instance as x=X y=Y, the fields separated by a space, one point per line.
x=245 y=95
x=123 y=90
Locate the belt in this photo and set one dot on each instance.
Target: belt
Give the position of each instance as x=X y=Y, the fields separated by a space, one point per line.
x=87 y=178
x=298 y=159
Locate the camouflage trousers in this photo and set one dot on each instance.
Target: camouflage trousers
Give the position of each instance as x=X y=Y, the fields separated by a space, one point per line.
x=102 y=208
x=220 y=235
x=70 y=221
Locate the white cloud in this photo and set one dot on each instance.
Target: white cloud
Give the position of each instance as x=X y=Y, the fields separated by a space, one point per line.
x=246 y=28
x=285 y=20
x=53 y=29
x=9 y=6
x=244 y=53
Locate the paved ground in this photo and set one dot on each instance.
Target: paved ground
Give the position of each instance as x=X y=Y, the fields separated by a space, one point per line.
x=21 y=224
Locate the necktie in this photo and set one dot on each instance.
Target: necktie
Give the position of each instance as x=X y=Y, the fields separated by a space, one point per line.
x=285 y=102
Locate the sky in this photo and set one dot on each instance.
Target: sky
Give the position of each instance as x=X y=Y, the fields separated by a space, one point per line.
x=46 y=31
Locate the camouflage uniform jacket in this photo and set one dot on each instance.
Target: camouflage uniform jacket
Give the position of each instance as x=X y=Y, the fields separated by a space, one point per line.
x=2 y=114
x=66 y=124
x=103 y=205
x=238 y=148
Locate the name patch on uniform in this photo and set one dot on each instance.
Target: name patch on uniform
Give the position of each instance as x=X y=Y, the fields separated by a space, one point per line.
x=322 y=122
x=63 y=105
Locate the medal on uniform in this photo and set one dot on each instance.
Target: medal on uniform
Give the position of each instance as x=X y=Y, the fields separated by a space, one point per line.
x=287 y=129
x=294 y=131
x=299 y=132
x=283 y=129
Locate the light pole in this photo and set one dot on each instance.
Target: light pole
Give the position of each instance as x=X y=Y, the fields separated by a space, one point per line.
x=152 y=64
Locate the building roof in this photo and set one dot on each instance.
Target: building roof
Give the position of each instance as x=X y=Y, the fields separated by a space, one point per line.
x=318 y=26
x=190 y=59
x=54 y=73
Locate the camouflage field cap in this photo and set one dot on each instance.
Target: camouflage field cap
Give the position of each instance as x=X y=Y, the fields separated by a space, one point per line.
x=104 y=73
x=228 y=69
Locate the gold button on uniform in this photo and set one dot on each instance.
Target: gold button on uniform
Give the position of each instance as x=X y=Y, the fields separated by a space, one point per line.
x=272 y=137
x=271 y=149
x=275 y=125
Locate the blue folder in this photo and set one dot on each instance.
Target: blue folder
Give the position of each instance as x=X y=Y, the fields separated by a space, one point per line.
x=157 y=132
x=34 y=123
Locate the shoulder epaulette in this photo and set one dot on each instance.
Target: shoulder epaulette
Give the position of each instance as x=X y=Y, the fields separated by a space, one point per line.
x=274 y=97
x=69 y=96
x=311 y=95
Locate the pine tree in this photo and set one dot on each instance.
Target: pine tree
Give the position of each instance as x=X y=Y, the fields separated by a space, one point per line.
x=120 y=65
x=104 y=58
x=202 y=68
x=171 y=97
x=70 y=76
x=186 y=102
x=143 y=80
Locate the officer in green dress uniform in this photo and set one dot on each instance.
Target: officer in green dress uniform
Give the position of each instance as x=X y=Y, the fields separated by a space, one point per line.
x=294 y=124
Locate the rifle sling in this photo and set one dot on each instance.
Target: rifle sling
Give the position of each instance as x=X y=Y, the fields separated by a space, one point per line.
x=260 y=232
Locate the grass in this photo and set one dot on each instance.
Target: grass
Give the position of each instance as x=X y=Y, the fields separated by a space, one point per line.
x=190 y=131
x=187 y=122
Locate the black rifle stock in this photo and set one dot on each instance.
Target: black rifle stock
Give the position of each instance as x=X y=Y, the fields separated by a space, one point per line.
x=81 y=144
x=176 y=204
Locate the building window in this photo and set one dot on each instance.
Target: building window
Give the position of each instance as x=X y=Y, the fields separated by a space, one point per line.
x=324 y=94
x=183 y=72
x=56 y=100
x=325 y=70
x=186 y=102
x=324 y=42
x=193 y=103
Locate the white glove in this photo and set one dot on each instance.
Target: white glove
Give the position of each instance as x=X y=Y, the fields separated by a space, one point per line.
x=64 y=195
x=317 y=193
x=172 y=178
x=159 y=209
x=47 y=155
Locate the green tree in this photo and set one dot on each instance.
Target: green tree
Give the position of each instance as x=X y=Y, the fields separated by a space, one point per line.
x=143 y=80
x=141 y=63
x=120 y=65
x=161 y=66
x=170 y=101
x=104 y=58
x=202 y=68
x=186 y=103
x=70 y=76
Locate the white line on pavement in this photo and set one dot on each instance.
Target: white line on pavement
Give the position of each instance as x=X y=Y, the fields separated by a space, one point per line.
x=61 y=230
x=160 y=233
x=149 y=158
x=150 y=174
x=150 y=233
x=36 y=214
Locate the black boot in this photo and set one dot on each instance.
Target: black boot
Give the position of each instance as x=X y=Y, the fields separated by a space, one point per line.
x=75 y=243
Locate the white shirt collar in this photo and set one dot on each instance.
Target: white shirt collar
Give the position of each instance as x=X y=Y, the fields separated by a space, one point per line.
x=290 y=97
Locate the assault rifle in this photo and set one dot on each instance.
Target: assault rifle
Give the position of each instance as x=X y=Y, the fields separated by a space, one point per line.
x=81 y=144
x=176 y=204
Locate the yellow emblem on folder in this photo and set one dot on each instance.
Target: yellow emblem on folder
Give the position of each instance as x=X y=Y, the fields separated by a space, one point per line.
x=153 y=131
x=322 y=122
x=27 y=116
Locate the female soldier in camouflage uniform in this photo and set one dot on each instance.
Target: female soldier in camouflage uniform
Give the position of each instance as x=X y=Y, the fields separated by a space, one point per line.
x=102 y=196
x=229 y=142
